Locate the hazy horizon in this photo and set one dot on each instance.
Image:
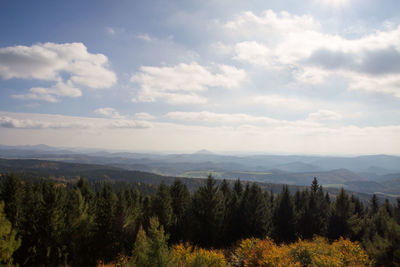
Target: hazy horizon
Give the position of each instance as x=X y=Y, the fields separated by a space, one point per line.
x=318 y=77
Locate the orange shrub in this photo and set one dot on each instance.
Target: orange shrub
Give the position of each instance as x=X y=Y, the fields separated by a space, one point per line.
x=186 y=256
x=318 y=252
x=255 y=252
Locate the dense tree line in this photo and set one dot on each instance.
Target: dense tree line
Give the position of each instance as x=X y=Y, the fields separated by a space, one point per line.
x=54 y=224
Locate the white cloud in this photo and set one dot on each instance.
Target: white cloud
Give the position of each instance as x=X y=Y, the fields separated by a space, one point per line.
x=144 y=37
x=181 y=84
x=221 y=48
x=283 y=102
x=270 y=22
x=235 y=119
x=283 y=137
x=108 y=112
x=324 y=115
x=129 y=124
x=282 y=40
x=9 y=122
x=110 y=30
x=39 y=121
x=254 y=53
x=144 y=116
x=334 y=3
x=52 y=62
x=51 y=94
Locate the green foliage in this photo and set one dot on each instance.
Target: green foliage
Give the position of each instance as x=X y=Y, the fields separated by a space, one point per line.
x=162 y=206
x=284 y=218
x=151 y=249
x=208 y=213
x=82 y=224
x=8 y=240
x=180 y=196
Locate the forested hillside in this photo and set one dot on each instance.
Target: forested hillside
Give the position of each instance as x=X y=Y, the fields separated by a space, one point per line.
x=85 y=224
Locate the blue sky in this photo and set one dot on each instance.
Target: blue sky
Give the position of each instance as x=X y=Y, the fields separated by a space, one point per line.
x=308 y=77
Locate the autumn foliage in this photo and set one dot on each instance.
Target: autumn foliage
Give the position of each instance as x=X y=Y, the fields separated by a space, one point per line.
x=318 y=252
x=186 y=255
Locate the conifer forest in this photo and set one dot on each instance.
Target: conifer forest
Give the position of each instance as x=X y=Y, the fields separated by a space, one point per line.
x=44 y=223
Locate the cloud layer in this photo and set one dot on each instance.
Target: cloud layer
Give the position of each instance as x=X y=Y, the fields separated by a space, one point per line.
x=69 y=65
x=297 y=43
x=183 y=83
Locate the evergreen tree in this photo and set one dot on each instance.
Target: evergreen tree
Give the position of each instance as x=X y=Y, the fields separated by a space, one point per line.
x=141 y=250
x=374 y=205
x=284 y=218
x=256 y=212
x=11 y=193
x=104 y=237
x=341 y=212
x=313 y=216
x=208 y=212
x=8 y=240
x=78 y=226
x=152 y=249
x=234 y=215
x=180 y=205
x=162 y=206
x=29 y=252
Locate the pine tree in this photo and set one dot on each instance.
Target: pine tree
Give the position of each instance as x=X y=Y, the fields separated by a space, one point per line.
x=256 y=212
x=141 y=250
x=162 y=206
x=78 y=224
x=11 y=193
x=339 y=220
x=374 y=205
x=8 y=240
x=284 y=218
x=104 y=237
x=151 y=249
x=208 y=212
x=180 y=205
x=234 y=214
x=51 y=225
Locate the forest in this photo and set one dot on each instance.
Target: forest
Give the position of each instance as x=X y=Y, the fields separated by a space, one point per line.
x=100 y=223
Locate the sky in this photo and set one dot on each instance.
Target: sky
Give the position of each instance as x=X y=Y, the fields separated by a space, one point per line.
x=276 y=77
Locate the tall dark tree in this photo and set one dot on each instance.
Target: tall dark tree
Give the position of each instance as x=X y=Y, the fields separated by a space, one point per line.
x=180 y=196
x=8 y=240
x=11 y=192
x=256 y=213
x=208 y=212
x=104 y=237
x=162 y=206
x=373 y=205
x=314 y=214
x=52 y=225
x=284 y=218
x=78 y=226
x=342 y=210
x=234 y=215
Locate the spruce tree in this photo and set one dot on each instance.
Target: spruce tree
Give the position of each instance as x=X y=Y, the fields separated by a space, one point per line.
x=208 y=211
x=284 y=218
x=104 y=237
x=162 y=206
x=8 y=240
x=257 y=215
x=180 y=205
x=342 y=210
x=11 y=193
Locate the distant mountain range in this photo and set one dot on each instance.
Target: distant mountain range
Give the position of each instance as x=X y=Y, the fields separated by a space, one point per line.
x=365 y=174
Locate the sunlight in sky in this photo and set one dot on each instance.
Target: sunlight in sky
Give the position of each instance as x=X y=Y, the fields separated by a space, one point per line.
x=282 y=76
x=334 y=3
